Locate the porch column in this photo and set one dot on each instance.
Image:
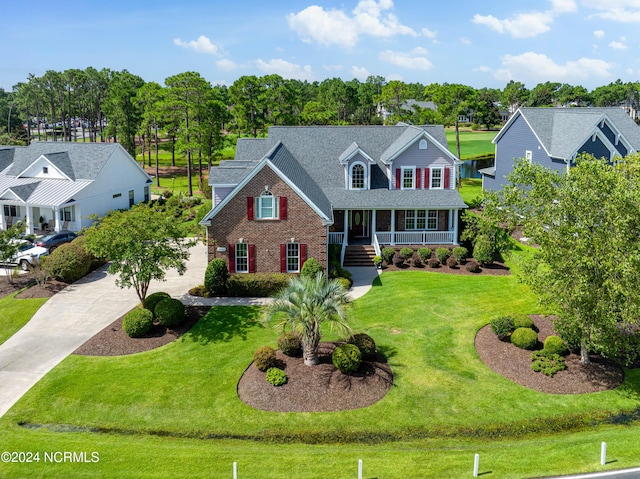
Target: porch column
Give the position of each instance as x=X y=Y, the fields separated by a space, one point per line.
x=455 y=226
x=29 y=216
x=393 y=227
x=373 y=224
x=345 y=239
x=56 y=217
x=3 y=219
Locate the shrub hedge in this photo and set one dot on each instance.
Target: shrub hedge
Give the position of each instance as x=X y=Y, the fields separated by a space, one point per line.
x=169 y=312
x=137 y=322
x=424 y=254
x=406 y=253
x=460 y=253
x=346 y=358
x=68 y=262
x=216 y=276
x=256 y=284
x=524 y=338
x=151 y=301
x=442 y=254
x=387 y=254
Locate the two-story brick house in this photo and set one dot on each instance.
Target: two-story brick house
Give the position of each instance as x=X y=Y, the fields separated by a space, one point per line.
x=288 y=196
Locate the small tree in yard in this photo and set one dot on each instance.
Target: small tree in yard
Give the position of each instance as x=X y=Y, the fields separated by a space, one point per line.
x=304 y=305
x=9 y=247
x=141 y=243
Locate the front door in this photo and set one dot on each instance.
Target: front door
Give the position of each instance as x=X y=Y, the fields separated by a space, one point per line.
x=360 y=223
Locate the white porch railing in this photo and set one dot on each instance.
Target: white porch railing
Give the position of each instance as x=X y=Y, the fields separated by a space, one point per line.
x=376 y=245
x=416 y=237
x=336 y=238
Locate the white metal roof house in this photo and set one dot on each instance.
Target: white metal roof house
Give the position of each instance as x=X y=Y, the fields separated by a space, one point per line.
x=56 y=186
x=304 y=188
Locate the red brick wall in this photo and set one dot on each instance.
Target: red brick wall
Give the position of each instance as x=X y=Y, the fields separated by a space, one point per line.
x=302 y=223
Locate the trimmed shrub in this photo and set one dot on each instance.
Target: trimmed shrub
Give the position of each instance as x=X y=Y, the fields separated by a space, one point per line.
x=310 y=268
x=289 y=343
x=524 y=338
x=406 y=253
x=424 y=254
x=276 y=376
x=483 y=250
x=442 y=254
x=199 y=291
x=502 y=327
x=216 y=276
x=433 y=263
x=68 y=262
x=555 y=345
x=452 y=262
x=257 y=284
x=151 y=301
x=547 y=363
x=137 y=322
x=377 y=260
x=416 y=261
x=264 y=358
x=387 y=254
x=398 y=259
x=473 y=267
x=364 y=343
x=346 y=358
x=522 y=321
x=169 y=312
x=460 y=253
x=345 y=282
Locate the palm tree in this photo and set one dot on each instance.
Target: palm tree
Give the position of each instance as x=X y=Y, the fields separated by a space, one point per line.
x=304 y=305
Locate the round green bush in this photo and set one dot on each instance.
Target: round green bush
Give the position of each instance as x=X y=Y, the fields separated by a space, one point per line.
x=151 y=301
x=387 y=254
x=310 y=268
x=555 y=345
x=264 y=358
x=137 y=322
x=502 y=327
x=346 y=358
x=406 y=253
x=215 y=277
x=522 y=321
x=289 y=343
x=169 y=312
x=276 y=376
x=442 y=254
x=424 y=254
x=525 y=338
x=68 y=262
x=460 y=253
x=364 y=343
x=483 y=250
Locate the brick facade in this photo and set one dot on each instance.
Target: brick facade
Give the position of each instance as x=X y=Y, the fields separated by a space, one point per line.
x=302 y=223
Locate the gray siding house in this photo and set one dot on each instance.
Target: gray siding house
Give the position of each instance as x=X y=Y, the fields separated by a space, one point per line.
x=553 y=137
x=303 y=188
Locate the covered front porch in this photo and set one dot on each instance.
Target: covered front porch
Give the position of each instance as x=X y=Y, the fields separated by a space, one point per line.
x=391 y=227
x=40 y=219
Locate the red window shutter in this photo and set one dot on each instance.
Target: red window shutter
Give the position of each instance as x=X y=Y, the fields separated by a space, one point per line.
x=252 y=258
x=250 y=216
x=447 y=174
x=418 y=178
x=283 y=207
x=232 y=258
x=427 y=178
x=397 y=178
x=303 y=255
x=283 y=258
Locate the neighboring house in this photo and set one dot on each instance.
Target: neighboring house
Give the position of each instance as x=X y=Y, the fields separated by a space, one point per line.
x=57 y=186
x=287 y=197
x=408 y=106
x=553 y=137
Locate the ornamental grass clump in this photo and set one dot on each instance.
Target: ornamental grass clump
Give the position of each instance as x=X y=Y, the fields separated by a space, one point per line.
x=137 y=322
x=346 y=358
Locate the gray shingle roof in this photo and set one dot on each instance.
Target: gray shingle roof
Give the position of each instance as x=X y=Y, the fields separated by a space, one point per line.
x=563 y=130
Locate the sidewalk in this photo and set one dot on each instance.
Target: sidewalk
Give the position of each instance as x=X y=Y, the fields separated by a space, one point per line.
x=81 y=310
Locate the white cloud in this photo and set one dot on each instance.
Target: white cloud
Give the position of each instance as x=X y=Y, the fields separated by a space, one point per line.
x=408 y=60
x=598 y=33
x=630 y=72
x=624 y=11
x=529 y=24
x=201 y=45
x=429 y=33
x=534 y=68
x=483 y=69
x=314 y=24
x=226 y=65
x=332 y=68
x=617 y=45
x=285 y=69
x=465 y=41
x=361 y=73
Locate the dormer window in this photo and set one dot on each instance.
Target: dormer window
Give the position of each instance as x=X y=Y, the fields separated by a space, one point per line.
x=423 y=144
x=45 y=170
x=358 y=177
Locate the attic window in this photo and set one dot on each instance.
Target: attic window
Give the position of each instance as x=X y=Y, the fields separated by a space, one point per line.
x=357 y=177
x=45 y=170
x=423 y=144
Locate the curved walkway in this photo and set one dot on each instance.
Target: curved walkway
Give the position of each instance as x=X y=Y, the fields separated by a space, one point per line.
x=81 y=310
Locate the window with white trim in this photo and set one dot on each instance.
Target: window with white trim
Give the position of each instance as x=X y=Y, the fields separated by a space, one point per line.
x=423 y=144
x=420 y=220
x=67 y=213
x=293 y=257
x=528 y=155
x=408 y=178
x=432 y=220
x=357 y=177
x=146 y=193
x=267 y=206
x=10 y=211
x=242 y=258
x=437 y=177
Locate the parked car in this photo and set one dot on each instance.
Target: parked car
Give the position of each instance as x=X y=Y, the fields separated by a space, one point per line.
x=27 y=255
x=53 y=240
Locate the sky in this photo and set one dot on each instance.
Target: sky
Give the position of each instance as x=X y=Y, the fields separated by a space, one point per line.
x=481 y=44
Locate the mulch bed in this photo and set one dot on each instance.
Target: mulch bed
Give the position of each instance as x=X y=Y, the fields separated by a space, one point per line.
x=515 y=364
x=22 y=281
x=317 y=388
x=495 y=269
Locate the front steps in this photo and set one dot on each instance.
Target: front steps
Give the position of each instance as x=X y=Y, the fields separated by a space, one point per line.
x=359 y=255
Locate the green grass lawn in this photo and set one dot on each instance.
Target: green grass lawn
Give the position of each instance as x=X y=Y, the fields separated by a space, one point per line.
x=174 y=411
x=472 y=143
x=15 y=313
x=470 y=189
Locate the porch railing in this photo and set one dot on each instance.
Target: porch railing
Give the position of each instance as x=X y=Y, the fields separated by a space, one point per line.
x=416 y=237
x=336 y=238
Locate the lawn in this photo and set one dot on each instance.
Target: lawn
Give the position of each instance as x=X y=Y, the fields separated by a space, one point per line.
x=470 y=189
x=15 y=313
x=472 y=143
x=174 y=411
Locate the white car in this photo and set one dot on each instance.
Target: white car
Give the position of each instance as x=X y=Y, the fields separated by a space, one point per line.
x=28 y=254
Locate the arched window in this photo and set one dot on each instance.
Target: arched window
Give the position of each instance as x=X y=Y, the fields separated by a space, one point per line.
x=423 y=144
x=357 y=177
x=267 y=206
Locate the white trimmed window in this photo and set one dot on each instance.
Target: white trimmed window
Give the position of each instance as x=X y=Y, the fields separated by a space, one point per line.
x=432 y=220
x=267 y=206
x=242 y=258
x=10 y=211
x=293 y=257
x=528 y=155
x=436 y=178
x=420 y=220
x=357 y=177
x=408 y=178
x=67 y=213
